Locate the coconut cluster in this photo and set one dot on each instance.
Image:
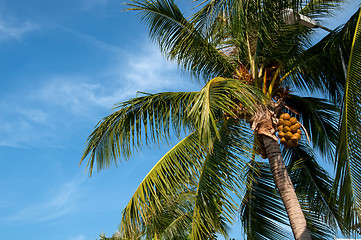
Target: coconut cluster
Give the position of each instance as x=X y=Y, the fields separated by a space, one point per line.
x=289 y=131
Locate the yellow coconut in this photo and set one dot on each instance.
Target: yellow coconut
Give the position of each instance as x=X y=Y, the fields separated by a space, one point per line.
x=288 y=135
x=296 y=136
x=280 y=128
x=283 y=140
x=281 y=134
x=286 y=116
x=286 y=129
x=299 y=131
x=280 y=122
x=281 y=117
x=294 y=128
x=287 y=123
x=293 y=120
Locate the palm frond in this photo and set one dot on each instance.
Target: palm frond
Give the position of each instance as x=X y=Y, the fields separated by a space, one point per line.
x=179 y=228
x=348 y=180
x=173 y=220
x=142 y=120
x=173 y=173
x=219 y=96
x=318 y=9
x=180 y=40
x=319 y=69
x=262 y=212
x=218 y=177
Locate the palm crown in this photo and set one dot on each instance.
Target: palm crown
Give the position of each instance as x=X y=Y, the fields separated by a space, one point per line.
x=254 y=66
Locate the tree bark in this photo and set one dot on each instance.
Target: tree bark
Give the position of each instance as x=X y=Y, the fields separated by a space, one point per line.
x=286 y=189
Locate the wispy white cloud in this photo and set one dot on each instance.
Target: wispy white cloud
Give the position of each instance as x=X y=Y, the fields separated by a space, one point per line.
x=58 y=101
x=128 y=74
x=20 y=124
x=15 y=31
x=61 y=201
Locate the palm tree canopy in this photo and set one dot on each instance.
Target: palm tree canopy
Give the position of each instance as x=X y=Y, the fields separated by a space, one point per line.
x=248 y=59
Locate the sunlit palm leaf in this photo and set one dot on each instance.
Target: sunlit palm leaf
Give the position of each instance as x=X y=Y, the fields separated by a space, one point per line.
x=179 y=228
x=179 y=40
x=219 y=96
x=139 y=121
x=169 y=177
x=173 y=220
x=218 y=177
x=348 y=179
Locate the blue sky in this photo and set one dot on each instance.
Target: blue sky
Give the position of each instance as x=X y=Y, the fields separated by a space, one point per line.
x=63 y=66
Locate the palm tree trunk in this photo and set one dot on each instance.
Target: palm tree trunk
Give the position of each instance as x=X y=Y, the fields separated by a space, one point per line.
x=286 y=189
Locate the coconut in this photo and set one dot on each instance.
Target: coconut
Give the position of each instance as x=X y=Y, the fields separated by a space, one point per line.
x=294 y=128
x=283 y=140
x=299 y=131
x=296 y=136
x=288 y=135
x=280 y=128
x=280 y=122
x=287 y=123
x=281 y=117
x=293 y=120
x=286 y=129
x=286 y=116
x=281 y=134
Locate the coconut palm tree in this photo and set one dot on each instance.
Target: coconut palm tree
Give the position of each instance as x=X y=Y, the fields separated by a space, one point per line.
x=258 y=73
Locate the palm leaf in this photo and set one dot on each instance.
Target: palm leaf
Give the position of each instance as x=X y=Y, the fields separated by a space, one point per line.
x=218 y=177
x=219 y=96
x=142 y=120
x=317 y=9
x=319 y=69
x=180 y=40
x=262 y=212
x=179 y=228
x=348 y=180
x=169 y=177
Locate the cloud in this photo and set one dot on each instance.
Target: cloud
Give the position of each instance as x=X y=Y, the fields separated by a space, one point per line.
x=58 y=102
x=15 y=31
x=121 y=80
x=61 y=202
x=21 y=124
